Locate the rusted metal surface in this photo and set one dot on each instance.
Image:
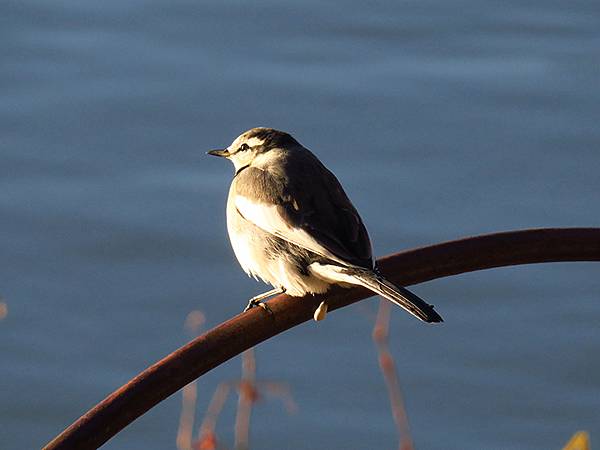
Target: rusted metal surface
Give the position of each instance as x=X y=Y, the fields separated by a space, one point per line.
x=246 y=330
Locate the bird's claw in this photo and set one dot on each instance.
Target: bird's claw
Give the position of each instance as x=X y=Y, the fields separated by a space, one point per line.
x=253 y=303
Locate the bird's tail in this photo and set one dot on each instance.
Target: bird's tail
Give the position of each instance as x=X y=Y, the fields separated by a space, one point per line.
x=396 y=294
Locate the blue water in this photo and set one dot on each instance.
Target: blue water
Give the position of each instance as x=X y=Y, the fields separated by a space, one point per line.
x=442 y=119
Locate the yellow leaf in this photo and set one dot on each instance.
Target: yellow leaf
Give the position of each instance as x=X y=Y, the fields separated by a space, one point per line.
x=579 y=441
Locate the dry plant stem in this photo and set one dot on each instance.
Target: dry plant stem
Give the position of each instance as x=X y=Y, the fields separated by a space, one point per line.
x=249 y=391
x=186 y=419
x=279 y=390
x=390 y=375
x=206 y=433
x=249 y=329
x=247 y=396
x=193 y=324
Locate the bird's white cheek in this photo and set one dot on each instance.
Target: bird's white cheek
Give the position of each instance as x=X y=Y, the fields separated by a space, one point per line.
x=241 y=159
x=255 y=141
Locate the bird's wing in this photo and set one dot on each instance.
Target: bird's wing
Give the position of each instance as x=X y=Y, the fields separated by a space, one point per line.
x=303 y=203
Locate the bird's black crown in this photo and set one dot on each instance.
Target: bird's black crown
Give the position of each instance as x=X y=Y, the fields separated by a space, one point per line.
x=273 y=138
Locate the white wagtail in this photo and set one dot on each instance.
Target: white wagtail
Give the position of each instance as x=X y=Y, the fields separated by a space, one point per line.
x=291 y=224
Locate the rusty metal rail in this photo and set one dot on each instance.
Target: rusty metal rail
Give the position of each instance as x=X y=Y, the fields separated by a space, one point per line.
x=248 y=329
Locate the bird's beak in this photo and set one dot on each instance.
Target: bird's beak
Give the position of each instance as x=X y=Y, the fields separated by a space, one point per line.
x=222 y=152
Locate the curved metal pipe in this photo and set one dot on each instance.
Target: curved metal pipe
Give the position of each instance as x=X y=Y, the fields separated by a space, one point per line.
x=248 y=329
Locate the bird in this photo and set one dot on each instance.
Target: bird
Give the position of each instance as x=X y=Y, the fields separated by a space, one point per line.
x=291 y=224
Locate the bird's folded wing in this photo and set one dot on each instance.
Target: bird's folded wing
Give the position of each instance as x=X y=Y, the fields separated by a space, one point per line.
x=270 y=219
x=319 y=218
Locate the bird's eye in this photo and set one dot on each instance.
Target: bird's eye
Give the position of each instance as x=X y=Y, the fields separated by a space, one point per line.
x=243 y=147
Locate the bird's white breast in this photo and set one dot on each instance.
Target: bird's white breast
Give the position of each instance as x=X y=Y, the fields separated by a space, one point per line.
x=241 y=238
x=251 y=247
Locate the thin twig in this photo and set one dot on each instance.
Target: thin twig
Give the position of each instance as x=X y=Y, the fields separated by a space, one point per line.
x=189 y=394
x=193 y=325
x=390 y=374
x=248 y=329
x=3 y=309
x=279 y=390
x=207 y=436
x=247 y=397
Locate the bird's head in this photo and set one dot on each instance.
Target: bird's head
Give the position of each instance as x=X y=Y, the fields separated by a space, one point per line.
x=252 y=143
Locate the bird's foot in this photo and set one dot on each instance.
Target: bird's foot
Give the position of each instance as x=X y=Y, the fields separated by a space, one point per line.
x=258 y=300
x=254 y=302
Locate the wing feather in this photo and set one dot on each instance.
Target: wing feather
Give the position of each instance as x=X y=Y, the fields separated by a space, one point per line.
x=303 y=203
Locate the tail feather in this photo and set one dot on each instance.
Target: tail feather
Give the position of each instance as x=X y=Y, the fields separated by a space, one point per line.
x=397 y=295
